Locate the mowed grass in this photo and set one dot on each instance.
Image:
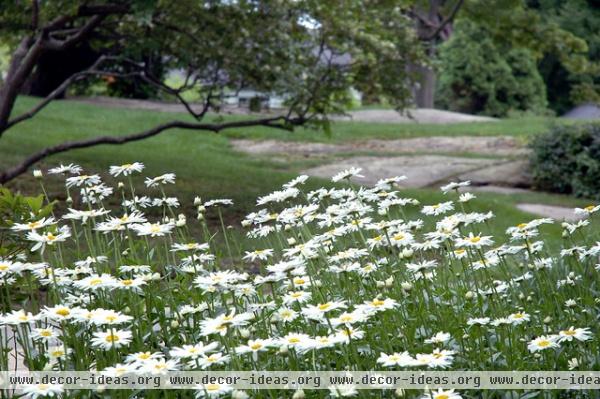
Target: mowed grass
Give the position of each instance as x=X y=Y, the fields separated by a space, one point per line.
x=207 y=166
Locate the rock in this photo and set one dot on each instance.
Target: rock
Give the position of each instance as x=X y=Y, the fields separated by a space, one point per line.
x=584 y=111
x=420 y=115
x=421 y=171
x=489 y=145
x=512 y=174
x=550 y=211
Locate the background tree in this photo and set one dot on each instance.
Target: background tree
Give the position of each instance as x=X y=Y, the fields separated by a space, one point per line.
x=307 y=51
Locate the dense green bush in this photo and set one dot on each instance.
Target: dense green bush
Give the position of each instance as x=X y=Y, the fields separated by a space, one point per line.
x=566 y=159
x=477 y=76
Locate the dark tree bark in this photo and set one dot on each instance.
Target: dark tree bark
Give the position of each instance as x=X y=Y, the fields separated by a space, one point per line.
x=54 y=67
x=432 y=28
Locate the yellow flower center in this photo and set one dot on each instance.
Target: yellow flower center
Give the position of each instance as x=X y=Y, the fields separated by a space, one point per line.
x=569 y=332
x=112 y=338
x=51 y=237
x=377 y=302
x=126 y=166
x=522 y=225
x=544 y=343
x=212 y=387
x=293 y=340
x=144 y=356
x=33 y=225
x=475 y=239
x=256 y=346
x=64 y=312
x=589 y=208
x=95 y=281
x=441 y=396
x=324 y=306
x=398 y=237
x=46 y=333
x=299 y=281
x=127 y=282
x=155 y=228
x=3 y=267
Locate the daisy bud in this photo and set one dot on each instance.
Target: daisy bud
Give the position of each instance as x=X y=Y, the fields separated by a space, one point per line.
x=283 y=350
x=239 y=395
x=389 y=282
x=37 y=174
x=245 y=223
x=156 y=276
x=382 y=212
x=69 y=200
x=529 y=299
x=380 y=284
x=197 y=201
x=200 y=216
x=244 y=333
x=548 y=320
x=407 y=253
x=287 y=227
x=469 y=295
x=565 y=234
x=399 y=392
x=406 y=286
x=564 y=225
x=100 y=388
x=49 y=366
x=125 y=252
x=121 y=185
x=299 y=394
x=318 y=283
x=466 y=336
x=180 y=222
x=521 y=296
x=174 y=324
x=291 y=241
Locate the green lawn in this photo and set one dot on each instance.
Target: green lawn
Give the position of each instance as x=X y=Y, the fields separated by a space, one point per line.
x=206 y=165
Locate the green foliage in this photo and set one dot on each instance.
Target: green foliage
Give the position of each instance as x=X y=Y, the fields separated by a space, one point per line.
x=566 y=159
x=478 y=76
x=16 y=208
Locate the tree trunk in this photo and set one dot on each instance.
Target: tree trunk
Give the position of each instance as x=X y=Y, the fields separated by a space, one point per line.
x=424 y=93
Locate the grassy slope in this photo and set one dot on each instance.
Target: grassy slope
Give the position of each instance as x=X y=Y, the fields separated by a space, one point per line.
x=206 y=165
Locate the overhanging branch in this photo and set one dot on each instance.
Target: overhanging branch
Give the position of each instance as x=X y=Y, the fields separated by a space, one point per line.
x=277 y=122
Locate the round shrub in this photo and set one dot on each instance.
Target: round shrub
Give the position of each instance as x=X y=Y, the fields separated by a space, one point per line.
x=477 y=76
x=566 y=159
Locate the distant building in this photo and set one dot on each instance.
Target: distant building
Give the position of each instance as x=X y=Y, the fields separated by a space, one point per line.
x=584 y=111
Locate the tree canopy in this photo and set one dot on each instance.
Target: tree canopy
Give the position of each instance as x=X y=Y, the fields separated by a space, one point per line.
x=308 y=51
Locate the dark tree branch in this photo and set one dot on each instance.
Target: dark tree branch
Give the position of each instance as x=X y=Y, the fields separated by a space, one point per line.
x=277 y=122
x=446 y=21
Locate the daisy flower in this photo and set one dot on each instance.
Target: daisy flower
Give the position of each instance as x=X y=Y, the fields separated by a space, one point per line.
x=126 y=169
x=212 y=390
x=347 y=174
x=63 y=169
x=167 y=178
x=34 y=225
x=403 y=359
x=86 y=180
x=474 y=241
x=442 y=394
x=543 y=342
x=262 y=254
x=588 y=210
x=437 y=209
x=49 y=238
x=153 y=229
x=205 y=361
x=111 y=338
x=438 y=338
x=580 y=334
x=255 y=345
x=454 y=186
x=193 y=351
x=42 y=390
